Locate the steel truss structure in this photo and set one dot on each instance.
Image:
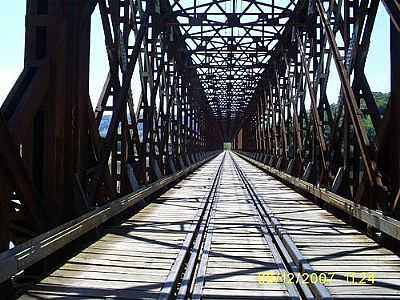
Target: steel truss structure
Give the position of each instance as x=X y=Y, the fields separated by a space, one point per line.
x=54 y=164
x=230 y=43
x=254 y=72
x=322 y=143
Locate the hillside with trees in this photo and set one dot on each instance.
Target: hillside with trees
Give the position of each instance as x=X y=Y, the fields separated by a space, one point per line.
x=382 y=100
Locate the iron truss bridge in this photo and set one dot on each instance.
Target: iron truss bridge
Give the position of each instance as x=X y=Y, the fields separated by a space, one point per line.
x=216 y=163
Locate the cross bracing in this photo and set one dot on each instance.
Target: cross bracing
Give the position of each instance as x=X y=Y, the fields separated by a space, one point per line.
x=254 y=73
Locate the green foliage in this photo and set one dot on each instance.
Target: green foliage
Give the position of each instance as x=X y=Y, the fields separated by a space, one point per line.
x=381 y=100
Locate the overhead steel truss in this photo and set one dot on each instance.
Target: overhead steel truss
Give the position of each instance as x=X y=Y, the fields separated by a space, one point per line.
x=54 y=164
x=322 y=143
x=209 y=71
x=230 y=42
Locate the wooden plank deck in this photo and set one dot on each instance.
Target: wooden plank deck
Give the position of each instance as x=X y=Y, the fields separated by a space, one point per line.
x=238 y=250
x=329 y=244
x=132 y=260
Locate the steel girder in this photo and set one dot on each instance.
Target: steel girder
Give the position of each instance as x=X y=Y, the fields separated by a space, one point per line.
x=55 y=165
x=327 y=144
x=230 y=42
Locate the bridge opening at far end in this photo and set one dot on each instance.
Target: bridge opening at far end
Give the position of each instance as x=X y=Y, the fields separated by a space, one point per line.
x=227 y=146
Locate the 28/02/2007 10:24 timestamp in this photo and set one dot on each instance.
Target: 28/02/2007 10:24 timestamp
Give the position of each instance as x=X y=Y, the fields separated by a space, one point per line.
x=315 y=278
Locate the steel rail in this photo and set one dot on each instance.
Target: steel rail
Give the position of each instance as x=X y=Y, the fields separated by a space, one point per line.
x=373 y=218
x=25 y=255
x=203 y=242
x=294 y=261
x=199 y=280
x=181 y=273
x=198 y=284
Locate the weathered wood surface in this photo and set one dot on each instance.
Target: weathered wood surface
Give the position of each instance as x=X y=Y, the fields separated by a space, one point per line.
x=238 y=250
x=329 y=244
x=132 y=260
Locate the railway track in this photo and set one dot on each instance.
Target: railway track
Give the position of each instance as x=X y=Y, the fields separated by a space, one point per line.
x=295 y=265
x=350 y=264
x=235 y=238
x=178 y=282
x=228 y=231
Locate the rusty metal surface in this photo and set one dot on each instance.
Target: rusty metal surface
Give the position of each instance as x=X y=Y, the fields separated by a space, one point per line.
x=209 y=72
x=292 y=127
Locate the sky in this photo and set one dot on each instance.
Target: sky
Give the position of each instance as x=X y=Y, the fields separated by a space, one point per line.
x=12 y=32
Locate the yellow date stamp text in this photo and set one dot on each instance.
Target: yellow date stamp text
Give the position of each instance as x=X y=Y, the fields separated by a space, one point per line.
x=353 y=278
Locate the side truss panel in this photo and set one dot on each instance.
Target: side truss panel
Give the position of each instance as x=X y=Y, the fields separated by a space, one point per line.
x=55 y=165
x=294 y=128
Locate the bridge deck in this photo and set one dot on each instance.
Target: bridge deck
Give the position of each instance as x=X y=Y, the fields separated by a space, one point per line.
x=134 y=259
x=238 y=249
x=329 y=244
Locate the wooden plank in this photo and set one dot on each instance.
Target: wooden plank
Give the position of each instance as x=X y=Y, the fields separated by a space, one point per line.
x=244 y=285
x=126 y=291
x=133 y=259
x=238 y=250
x=329 y=244
x=232 y=293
